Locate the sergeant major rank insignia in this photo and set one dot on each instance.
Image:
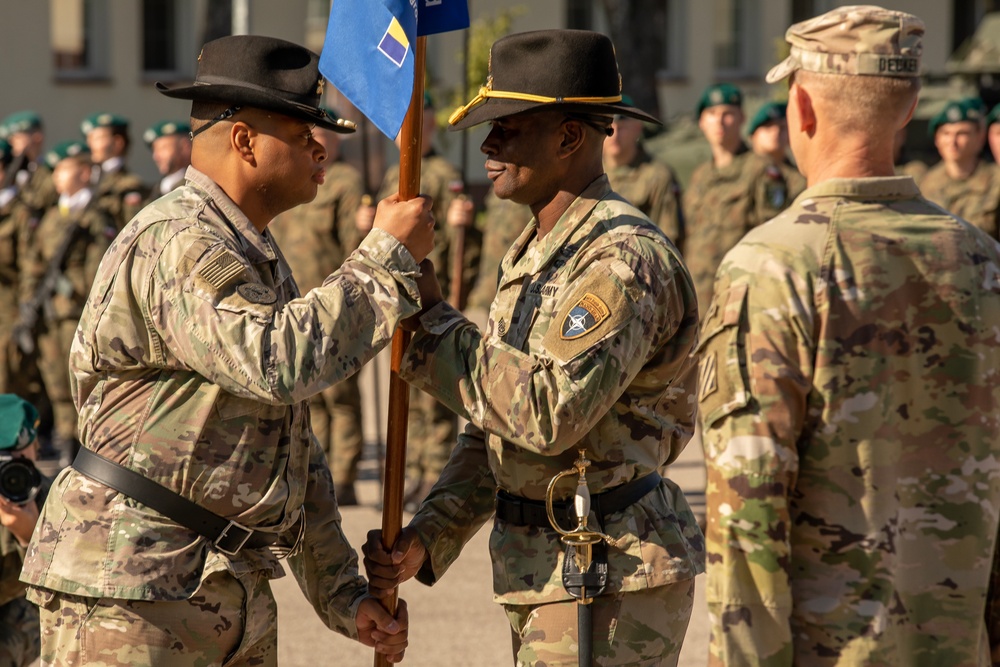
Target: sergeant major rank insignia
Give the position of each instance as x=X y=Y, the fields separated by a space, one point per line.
x=584 y=317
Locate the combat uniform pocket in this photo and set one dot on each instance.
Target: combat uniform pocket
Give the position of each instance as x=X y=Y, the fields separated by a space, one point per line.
x=723 y=384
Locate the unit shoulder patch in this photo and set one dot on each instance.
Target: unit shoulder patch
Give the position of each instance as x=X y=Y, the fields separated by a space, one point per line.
x=584 y=317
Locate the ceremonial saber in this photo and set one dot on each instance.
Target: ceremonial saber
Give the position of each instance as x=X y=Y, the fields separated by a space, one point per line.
x=410 y=138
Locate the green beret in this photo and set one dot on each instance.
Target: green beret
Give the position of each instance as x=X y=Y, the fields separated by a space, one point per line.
x=6 y=153
x=165 y=128
x=63 y=150
x=20 y=121
x=770 y=112
x=956 y=111
x=720 y=93
x=993 y=116
x=94 y=121
x=331 y=112
x=428 y=100
x=18 y=422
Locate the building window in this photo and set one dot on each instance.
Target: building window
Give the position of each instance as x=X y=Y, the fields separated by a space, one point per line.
x=735 y=46
x=167 y=47
x=674 y=64
x=78 y=30
x=217 y=21
x=966 y=15
x=666 y=22
x=317 y=16
x=580 y=14
x=807 y=9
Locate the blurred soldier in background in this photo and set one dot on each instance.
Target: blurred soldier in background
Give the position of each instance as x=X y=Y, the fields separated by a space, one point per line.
x=19 y=632
x=8 y=267
x=728 y=195
x=58 y=272
x=650 y=186
x=315 y=239
x=916 y=169
x=993 y=132
x=433 y=428
x=121 y=193
x=502 y=222
x=170 y=143
x=768 y=132
x=963 y=183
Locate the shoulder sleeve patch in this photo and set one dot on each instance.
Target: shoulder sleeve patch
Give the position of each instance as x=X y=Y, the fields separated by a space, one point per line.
x=222 y=268
x=596 y=309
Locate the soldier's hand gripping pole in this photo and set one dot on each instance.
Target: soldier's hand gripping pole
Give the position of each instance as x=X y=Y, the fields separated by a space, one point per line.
x=585 y=564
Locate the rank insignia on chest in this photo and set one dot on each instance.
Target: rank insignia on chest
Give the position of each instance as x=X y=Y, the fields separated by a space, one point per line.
x=584 y=317
x=256 y=293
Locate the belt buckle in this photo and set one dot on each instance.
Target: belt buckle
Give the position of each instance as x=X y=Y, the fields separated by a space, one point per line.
x=226 y=534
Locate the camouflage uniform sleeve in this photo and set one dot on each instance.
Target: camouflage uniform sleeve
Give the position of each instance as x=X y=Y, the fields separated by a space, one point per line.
x=460 y=503
x=101 y=228
x=546 y=399
x=325 y=565
x=209 y=309
x=754 y=378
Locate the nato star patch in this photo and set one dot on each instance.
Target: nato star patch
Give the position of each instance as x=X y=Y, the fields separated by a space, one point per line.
x=584 y=317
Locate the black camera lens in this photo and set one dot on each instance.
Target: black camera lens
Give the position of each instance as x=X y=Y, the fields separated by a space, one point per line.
x=19 y=480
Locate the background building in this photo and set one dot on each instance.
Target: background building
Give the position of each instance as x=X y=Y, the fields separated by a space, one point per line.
x=70 y=58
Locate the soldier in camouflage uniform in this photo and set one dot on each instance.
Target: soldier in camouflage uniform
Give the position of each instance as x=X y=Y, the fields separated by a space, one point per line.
x=192 y=369
x=19 y=637
x=433 y=428
x=650 y=186
x=79 y=216
x=119 y=191
x=8 y=267
x=502 y=222
x=587 y=348
x=169 y=141
x=849 y=387
x=963 y=183
x=315 y=239
x=728 y=195
x=768 y=132
x=27 y=192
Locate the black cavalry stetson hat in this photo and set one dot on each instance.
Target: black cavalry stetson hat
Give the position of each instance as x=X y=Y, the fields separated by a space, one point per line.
x=568 y=70
x=261 y=72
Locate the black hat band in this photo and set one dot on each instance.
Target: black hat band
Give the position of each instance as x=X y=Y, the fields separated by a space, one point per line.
x=486 y=92
x=207 y=80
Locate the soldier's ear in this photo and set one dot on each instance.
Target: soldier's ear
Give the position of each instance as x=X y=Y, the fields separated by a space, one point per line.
x=802 y=106
x=241 y=139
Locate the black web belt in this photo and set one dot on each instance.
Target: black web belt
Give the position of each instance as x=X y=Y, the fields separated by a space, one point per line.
x=227 y=536
x=526 y=512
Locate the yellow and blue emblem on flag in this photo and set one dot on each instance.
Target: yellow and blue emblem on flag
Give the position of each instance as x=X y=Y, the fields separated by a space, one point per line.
x=394 y=44
x=368 y=52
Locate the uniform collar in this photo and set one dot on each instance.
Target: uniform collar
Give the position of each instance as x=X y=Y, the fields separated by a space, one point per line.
x=555 y=241
x=256 y=246
x=885 y=187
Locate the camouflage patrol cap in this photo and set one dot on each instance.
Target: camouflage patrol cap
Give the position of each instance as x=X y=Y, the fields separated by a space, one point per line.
x=101 y=119
x=720 y=93
x=854 y=40
x=20 y=121
x=166 y=128
x=969 y=109
x=18 y=422
x=768 y=113
x=66 y=149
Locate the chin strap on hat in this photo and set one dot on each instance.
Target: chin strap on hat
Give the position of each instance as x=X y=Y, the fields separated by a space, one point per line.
x=486 y=92
x=228 y=113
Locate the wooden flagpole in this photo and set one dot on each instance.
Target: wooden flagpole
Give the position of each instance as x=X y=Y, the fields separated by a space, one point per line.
x=410 y=152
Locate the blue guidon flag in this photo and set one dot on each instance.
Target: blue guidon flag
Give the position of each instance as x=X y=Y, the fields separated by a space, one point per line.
x=368 y=51
x=584 y=317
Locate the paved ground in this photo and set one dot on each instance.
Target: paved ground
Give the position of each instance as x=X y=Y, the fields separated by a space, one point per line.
x=455 y=623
